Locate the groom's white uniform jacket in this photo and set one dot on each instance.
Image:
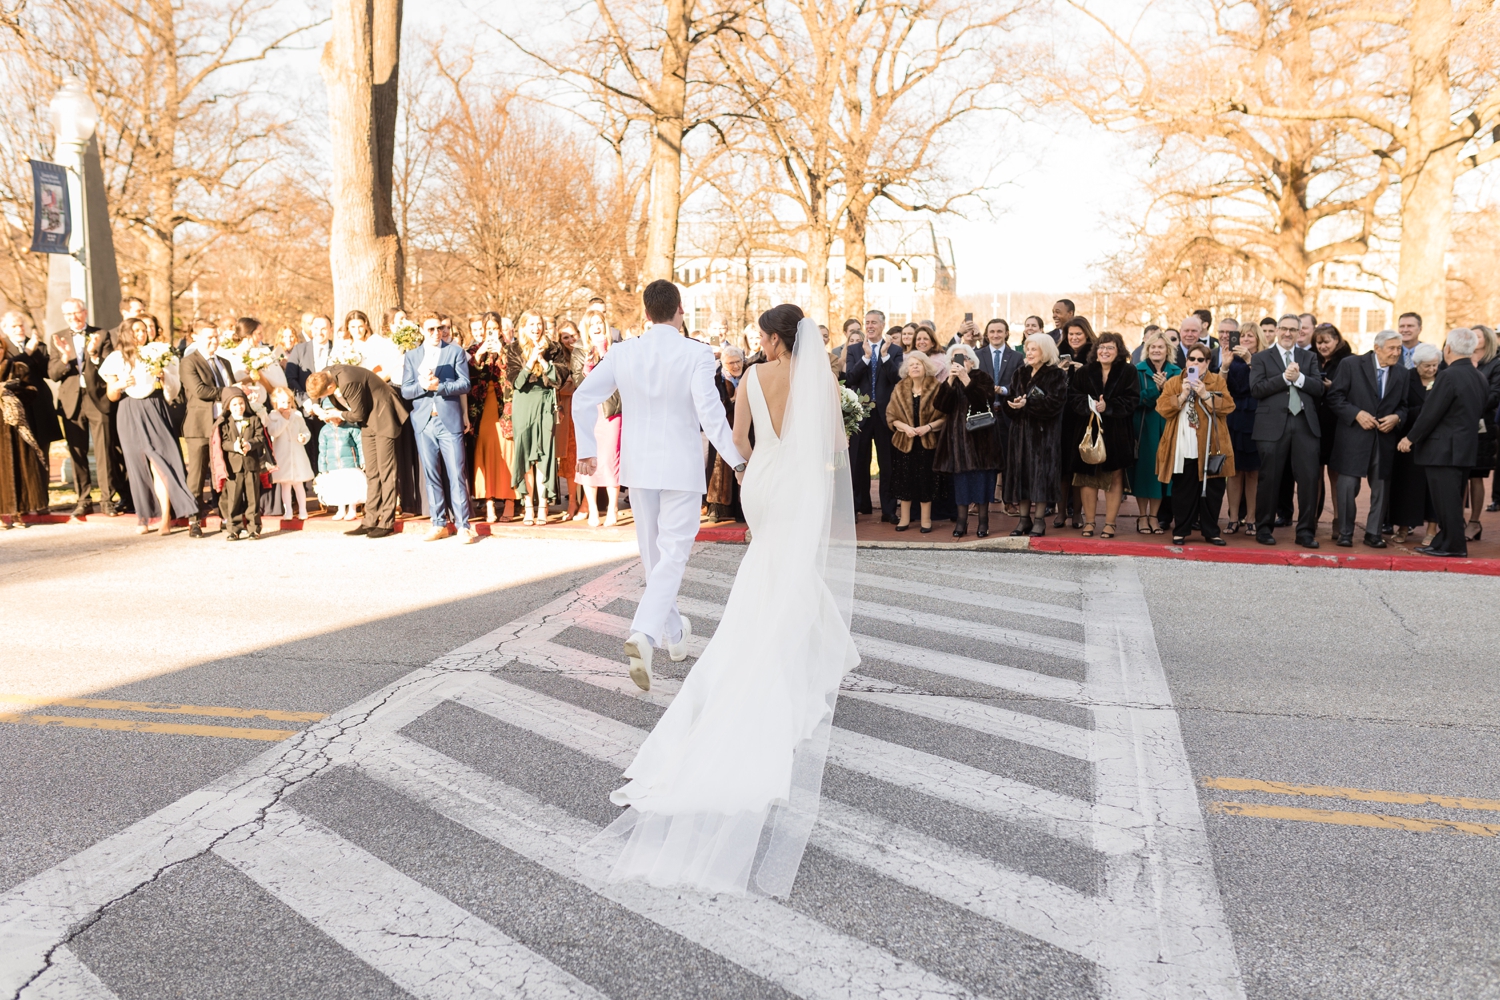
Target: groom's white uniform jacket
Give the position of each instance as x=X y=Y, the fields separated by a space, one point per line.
x=666 y=384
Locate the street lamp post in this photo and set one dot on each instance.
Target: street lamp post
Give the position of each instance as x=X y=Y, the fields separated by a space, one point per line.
x=74 y=118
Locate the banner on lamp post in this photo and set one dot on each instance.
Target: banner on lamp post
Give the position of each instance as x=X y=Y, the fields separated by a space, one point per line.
x=52 y=216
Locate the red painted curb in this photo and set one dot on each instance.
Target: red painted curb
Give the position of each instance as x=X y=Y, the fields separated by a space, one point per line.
x=1202 y=552
x=735 y=533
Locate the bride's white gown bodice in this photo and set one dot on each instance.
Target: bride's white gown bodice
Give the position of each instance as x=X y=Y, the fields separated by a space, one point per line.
x=741 y=746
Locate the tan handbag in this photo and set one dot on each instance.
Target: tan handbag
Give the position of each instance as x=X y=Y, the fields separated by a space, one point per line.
x=1091 y=448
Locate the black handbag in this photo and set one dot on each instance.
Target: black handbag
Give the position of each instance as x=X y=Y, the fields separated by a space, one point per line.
x=979 y=421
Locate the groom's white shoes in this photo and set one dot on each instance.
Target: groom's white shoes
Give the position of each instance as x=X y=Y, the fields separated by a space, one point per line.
x=638 y=649
x=678 y=650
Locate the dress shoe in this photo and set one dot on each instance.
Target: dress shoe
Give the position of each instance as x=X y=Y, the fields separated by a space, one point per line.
x=1023 y=527
x=1375 y=542
x=1216 y=541
x=380 y=532
x=361 y=530
x=437 y=533
x=1346 y=542
x=1307 y=541
x=195 y=529
x=255 y=535
x=1492 y=508
x=471 y=536
x=81 y=511
x=638 y=651
x=1283 y=522
x=678 y=650
x=231 y=535
x=1428 y=550
x=1038 y=528
x=1265 y=538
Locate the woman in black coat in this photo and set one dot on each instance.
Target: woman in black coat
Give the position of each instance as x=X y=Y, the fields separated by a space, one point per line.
x=1073 y=353
x=1038 y=396
x=1332 y=350
x=972 y=458
x=1410 y=507
x=1111 y=383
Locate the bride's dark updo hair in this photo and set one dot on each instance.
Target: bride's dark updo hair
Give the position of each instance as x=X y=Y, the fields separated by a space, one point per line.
x=781 y=322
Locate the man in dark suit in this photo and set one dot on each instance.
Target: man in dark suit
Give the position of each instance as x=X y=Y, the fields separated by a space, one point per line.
x=1368 y=397
x=1063 y=311
x=73 y=357
x=204 y=378
x=1287 y=381
x=302 y=360
x=366 y=401
x=999 y=361
x=1445 y=439
x=873 y=368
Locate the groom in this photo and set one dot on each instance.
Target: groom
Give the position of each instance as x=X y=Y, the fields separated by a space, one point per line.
x=666 y=386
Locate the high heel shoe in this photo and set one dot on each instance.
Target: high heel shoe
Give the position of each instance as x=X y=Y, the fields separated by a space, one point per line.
x=1039 y=529
x=1478 y=531
x=903 y=527
x=983 y=530
x=1023 y=527
x=961 y=527
x=1108 y=531
x=1059 y=520
x=925 y=529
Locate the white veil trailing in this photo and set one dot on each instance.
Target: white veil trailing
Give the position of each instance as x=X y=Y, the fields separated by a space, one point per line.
x=724 y=792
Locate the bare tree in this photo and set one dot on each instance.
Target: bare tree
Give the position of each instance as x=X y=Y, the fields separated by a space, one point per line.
x=184 y=133
x=640 y=57
x=361 y=69
x=1282 y=197
x=851 y=100
x=1428 y=100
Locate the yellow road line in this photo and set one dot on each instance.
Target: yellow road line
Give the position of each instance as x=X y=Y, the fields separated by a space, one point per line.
x=1353 y=794
x=137 y=726
x=217 y=711
x=1337 y=818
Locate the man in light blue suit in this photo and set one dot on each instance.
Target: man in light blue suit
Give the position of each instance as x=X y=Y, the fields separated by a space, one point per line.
x=435 y=378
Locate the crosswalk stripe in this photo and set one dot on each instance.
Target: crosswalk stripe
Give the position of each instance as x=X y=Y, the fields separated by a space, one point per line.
x=1027 y=682
x=1109 y=830
x=1089 y=926
x=421 y=941
x=798 y=953
x=980 y=573
x=897 y=615
x=66 y=979
x=1193 y=954
x=1032 y=730
x=995 y=602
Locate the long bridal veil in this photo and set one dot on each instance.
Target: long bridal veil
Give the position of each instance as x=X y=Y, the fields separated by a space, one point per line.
x=724 y=792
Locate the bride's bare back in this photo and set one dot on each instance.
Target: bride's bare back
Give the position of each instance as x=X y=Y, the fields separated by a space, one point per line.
x=775 y=384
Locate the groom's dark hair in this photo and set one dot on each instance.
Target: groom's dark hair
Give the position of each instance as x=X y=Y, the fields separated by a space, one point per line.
x=781 y=321
x=662 y=300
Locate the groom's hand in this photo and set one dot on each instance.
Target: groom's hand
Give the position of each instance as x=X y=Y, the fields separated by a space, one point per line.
x=585 y=466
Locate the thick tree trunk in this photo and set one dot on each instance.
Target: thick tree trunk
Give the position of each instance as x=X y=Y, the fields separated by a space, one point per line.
x=818 y=251
x=360 y=67
x=856 y=260
x=1428 y=171
x=669 y=125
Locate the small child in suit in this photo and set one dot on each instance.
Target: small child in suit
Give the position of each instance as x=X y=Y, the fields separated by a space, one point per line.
x=239 y=453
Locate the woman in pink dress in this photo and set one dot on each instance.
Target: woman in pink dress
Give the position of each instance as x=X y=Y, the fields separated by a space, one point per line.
x=606 y=432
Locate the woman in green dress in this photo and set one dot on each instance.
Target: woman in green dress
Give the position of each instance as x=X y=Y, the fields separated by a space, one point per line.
x=535 y=367
x=1153 y=371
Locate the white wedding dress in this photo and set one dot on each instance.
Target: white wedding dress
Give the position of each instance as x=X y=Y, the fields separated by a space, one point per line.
x=724 y=792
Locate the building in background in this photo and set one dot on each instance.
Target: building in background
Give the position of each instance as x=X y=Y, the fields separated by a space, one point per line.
x=729 y=280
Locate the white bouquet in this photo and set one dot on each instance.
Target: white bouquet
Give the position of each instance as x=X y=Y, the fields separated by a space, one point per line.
x=259 y=358
x=856 y=406
x=156 y=356
x=346 y=354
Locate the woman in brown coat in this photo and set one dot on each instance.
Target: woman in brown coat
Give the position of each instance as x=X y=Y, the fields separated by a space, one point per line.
x=915 y=420
x=1192 y=404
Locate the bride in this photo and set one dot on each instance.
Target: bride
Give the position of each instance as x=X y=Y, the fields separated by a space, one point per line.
x=724 y=792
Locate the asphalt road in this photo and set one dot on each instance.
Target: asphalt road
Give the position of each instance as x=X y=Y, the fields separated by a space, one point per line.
x=330 y=767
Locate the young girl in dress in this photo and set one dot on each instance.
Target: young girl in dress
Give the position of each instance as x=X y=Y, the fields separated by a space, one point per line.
x=289 y=435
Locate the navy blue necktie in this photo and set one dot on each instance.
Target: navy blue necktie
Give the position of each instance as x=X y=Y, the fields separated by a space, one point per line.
x=874 y=368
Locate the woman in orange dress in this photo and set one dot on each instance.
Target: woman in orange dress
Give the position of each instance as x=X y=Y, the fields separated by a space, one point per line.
x=567 y=442
x=489 y=415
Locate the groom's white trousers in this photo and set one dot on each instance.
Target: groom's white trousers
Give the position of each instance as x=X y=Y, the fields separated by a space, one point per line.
x=666 y=525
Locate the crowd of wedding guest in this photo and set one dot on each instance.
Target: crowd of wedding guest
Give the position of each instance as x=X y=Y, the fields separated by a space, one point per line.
x=420 y=415
x=1209 y=430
